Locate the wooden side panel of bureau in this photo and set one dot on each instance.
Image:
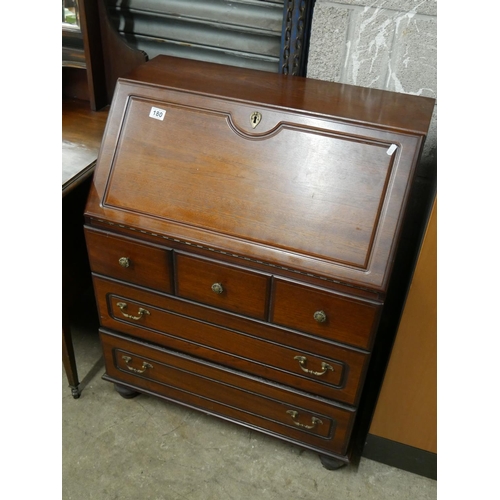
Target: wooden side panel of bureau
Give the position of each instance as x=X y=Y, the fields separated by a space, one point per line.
x=241 y=230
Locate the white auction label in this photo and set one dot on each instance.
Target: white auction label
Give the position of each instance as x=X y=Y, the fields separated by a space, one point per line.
x=391 y=149
x=157 y=113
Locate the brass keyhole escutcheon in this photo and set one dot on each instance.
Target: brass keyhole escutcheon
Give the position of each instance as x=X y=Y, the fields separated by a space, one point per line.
x=255 y=118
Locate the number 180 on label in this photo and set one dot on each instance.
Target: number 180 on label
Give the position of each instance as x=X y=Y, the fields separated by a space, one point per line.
x=157 y=113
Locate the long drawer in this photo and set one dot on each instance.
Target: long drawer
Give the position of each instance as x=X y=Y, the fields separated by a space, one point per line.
x=279 y=355
x=307 y=420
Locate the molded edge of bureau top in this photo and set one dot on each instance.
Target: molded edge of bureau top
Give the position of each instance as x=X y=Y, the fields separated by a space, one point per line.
x=345 y=102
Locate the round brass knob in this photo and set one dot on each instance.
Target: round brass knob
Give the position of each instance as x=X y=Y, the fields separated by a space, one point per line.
x=217 y=288
x=124 y=261
x=320 y=316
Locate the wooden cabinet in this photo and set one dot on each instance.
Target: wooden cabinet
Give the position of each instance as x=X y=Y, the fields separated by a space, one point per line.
x=82 y=131
x=241 y=230
x=93 y=57
x=403 y=432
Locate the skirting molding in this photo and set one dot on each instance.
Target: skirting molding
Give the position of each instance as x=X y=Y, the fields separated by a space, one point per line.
x=402 y=456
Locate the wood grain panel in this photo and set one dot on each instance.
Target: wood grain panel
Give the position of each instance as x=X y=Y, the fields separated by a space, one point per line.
x=146 y=265
x=294 y=187
x=283 y=238
x=264 y=406
x=347 y=319
x=82 y=131
x=406 y=411
x=242 y=291
x=203 y=176
x=233 y=341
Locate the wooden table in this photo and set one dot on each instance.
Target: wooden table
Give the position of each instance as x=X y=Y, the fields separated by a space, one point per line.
x=82 y=131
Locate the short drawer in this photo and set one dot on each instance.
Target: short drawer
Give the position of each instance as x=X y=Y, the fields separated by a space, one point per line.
x=223 y=286
x=306 y=420
x=324 y=313
x=310 y=365
x=129 y=260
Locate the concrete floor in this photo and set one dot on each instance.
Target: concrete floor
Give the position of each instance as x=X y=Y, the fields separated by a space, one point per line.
x=148 y=449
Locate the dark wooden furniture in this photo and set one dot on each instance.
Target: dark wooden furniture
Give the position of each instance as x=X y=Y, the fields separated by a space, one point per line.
x=93 y=58
x=242 y=228
x=82 y=131
x=403 y=432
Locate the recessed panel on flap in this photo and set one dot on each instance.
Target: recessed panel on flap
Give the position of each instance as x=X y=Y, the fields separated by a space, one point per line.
x=303 y=189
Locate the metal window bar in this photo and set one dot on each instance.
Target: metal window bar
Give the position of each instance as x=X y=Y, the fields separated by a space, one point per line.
x=269 y=35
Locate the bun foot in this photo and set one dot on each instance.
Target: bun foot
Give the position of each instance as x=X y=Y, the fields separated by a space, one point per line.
x=125 y=392
x=331 y=463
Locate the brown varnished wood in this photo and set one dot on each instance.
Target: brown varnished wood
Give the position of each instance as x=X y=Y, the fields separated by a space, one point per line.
x=287 y=190
x=94 y=61
x=298 y=168
x=147 y=265
x=348 y=320
x=237 y=260
x=82 y=131
x=240 y=344
x=76 y=277
x=119 y=58
x=350 y=103
x=74 y=84
x=243 y=292
x=221 y=392
x=107 y=54
x=298 y=215
x=406 y=410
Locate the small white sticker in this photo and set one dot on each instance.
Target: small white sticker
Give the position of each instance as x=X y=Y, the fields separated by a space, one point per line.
x=391 y=149
x=157 y=113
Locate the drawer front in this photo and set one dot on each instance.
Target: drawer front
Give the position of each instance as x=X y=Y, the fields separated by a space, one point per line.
x=129 y=260
x=314 y=366
x=325 y=314
x=226 y=287
x=306 y=420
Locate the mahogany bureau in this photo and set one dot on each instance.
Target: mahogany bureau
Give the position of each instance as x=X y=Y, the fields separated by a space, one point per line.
x=241 y=230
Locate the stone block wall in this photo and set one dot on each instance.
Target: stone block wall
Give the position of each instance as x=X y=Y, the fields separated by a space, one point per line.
x=383 y=44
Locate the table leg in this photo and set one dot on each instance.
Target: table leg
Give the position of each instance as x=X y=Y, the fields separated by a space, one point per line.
x=68 y=355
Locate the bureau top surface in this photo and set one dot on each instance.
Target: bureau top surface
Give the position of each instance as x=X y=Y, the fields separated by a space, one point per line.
x=345 y=102
x=317 y=183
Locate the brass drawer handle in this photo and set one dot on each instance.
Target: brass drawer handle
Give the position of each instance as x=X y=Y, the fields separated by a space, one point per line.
x=145 y=365
x=140 y=313
x=124 y=261
x=314 y=420
x=303 y=361
x=320 y=316
x=217 y=288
